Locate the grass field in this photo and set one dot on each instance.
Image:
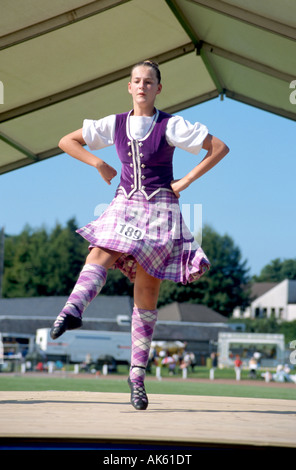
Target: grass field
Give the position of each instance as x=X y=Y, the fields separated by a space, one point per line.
x=118 y=384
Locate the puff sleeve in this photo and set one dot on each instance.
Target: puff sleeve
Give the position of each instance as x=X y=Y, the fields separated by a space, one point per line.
x=185 y=135
x=99 y=133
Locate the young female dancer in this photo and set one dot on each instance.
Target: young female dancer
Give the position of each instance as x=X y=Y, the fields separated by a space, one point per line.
x=142 y=232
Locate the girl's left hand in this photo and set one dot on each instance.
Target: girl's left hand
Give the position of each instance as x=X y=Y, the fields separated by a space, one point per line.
x=174 y=186
x=178 y=186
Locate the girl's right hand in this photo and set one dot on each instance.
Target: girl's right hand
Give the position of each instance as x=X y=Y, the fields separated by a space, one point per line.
x=106 y=171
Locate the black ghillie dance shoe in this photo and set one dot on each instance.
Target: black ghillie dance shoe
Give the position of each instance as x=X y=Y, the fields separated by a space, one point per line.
x=64 y=322
x=139 y=399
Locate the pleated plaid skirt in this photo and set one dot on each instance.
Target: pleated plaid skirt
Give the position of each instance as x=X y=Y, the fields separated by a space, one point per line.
x=152 y=233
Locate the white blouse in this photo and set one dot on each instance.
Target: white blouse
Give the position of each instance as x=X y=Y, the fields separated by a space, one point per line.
x=180 y=133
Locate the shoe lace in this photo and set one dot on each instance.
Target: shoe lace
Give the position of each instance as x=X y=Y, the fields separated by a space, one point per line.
x=139 y=392
x=60 y=318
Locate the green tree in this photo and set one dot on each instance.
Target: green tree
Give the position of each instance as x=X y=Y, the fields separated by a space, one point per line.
x=277 y=270
x=223 y=287
x=117 y=284
x=67 y=251
x=38 y=263
x=17 y=265
x=288 y=329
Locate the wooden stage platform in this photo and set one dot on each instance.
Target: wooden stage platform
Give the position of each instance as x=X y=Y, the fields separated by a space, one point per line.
x=91 y=420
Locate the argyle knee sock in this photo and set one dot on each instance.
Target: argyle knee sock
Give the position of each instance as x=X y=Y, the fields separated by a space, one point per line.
x=143 y=323
x=91 y=280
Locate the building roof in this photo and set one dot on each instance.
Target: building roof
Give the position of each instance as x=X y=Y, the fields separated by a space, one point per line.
x=171 y=331
x=177 y=321
x=101 y=307
x=260 y=288
x=26 y=315
x=188 y=312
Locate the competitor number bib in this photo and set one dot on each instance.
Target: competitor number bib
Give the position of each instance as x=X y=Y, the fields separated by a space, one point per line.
x=129 y=231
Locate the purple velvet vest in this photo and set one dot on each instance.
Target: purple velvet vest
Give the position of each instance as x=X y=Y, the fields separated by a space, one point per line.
x=147 y=164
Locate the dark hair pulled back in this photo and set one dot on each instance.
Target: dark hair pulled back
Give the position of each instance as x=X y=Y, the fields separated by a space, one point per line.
x=149 y=63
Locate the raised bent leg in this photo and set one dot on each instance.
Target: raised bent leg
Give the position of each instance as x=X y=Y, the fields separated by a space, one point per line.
x=90 y=282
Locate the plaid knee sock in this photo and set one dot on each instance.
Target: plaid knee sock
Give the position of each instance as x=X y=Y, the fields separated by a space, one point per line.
x=90 y=282
x=143 y=323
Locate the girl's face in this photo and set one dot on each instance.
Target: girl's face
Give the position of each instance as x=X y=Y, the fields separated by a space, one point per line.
x=144 y=86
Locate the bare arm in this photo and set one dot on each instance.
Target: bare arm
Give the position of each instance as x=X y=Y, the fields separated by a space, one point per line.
x=216 y=150
x=73 y=143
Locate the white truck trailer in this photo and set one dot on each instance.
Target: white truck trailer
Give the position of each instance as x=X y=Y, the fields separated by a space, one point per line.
x=75 y=345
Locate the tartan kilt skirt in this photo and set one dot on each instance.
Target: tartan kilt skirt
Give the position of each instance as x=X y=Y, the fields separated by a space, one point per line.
x=149 y=232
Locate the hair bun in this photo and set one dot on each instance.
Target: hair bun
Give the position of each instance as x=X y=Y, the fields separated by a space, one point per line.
x=150 y=63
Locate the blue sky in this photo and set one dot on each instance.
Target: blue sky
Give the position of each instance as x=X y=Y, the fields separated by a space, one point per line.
x=249 y=195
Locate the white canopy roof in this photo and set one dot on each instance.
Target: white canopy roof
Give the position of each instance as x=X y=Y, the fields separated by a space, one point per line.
x=65 y=60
